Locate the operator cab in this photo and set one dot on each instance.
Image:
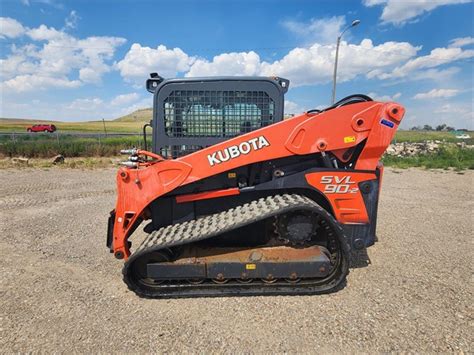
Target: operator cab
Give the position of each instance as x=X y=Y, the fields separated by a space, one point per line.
x=193 y=113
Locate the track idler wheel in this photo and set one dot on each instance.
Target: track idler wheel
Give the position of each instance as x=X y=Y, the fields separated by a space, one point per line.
x=140 y=269
x=296 y=228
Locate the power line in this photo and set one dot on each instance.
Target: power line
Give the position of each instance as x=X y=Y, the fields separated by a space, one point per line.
x=56 y=46
x=216 y=49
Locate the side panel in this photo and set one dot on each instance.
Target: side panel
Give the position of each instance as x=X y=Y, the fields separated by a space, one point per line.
x=342 y=190
x=365 y=234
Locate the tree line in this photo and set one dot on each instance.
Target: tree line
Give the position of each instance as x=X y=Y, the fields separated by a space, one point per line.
x=441 y=128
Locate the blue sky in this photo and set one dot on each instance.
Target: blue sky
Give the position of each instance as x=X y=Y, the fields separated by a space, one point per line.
x=85 y=60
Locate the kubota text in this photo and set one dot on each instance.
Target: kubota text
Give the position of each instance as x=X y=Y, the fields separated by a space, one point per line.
x=235 y=151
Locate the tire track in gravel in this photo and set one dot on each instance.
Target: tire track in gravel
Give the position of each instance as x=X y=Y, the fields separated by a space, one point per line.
x=35 y=187
x=28 y=201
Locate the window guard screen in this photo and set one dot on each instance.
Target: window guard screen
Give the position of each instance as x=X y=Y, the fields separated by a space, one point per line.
x=176 y=151
x=208 y=113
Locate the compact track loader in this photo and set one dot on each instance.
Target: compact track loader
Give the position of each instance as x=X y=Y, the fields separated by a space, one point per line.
x=238 y=201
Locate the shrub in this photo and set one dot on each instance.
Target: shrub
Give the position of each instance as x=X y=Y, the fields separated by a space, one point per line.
x=449 y=156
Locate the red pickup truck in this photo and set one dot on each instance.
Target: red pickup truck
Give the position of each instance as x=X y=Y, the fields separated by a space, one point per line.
x=42 y=128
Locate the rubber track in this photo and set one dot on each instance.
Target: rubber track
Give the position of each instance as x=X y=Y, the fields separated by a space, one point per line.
x=219 y=223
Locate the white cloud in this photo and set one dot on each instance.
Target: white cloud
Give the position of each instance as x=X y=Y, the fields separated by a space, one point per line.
x=45 y=33
x=141 y=61
x=125 y=110
x=10 y=28
x=398 y=12
x=461 y=42
x=437 y=57
x=385 y=98
x=434 y=74
x=52 y=3
x=459 y=109
x=227 y=64
x=83 y=108
x=17 y=63
x=373 y=2
x=125 y=99
x=53 y=58
x=324 y=30
x=456 y=114
x=92 y=75
x=88 y=104
x=54 y=62
x=30 y=82
x=436 y=93
x=309 y=66
x=303 y=66
x=86 y=108
x=70 y=22
x=292 y=107
x=314 y=65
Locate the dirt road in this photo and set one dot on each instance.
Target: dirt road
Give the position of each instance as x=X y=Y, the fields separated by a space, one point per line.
x=61 y=290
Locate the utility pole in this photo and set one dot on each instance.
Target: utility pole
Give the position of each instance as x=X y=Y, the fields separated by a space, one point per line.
x=353 y=24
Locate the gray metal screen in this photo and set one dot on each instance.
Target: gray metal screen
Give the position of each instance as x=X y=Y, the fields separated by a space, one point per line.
x=194 y=113
x=189 y=113
x=175 y=151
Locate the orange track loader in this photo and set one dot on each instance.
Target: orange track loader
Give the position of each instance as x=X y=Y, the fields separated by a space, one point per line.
x=238 y=201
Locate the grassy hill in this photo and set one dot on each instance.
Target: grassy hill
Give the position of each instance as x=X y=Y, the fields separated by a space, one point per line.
x=143 y=115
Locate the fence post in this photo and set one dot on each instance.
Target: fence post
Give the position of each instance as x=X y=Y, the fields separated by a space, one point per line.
x=105 y=130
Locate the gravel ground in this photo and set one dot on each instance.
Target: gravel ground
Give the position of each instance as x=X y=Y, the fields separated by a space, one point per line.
x=62 y=291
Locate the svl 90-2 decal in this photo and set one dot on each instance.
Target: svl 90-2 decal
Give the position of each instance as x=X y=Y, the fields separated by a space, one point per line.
x=338 y=184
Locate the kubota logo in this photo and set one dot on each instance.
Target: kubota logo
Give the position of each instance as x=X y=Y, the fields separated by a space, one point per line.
x=234 y=151
x=338 y=185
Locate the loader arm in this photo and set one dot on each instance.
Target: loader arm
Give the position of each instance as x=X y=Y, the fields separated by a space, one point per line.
x=339 y=131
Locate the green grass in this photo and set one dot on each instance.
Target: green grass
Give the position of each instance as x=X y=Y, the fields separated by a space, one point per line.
x=421 y=136
x=14 y=125
x=45 y=146
x=449 y=156
x=41 y=145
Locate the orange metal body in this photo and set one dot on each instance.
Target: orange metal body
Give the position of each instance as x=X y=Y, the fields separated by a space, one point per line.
x=207 y=195
x=335 y=130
